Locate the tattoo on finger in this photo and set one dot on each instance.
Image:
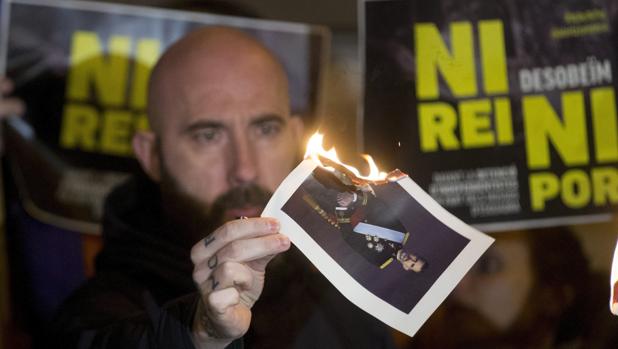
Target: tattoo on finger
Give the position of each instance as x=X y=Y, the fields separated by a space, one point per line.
x=214 y=283
x=208 y=240
x=212 y=262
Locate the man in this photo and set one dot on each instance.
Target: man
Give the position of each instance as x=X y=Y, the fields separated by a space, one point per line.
x=221 y=140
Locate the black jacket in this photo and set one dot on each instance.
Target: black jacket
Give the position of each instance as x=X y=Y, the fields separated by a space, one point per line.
x=143 y=296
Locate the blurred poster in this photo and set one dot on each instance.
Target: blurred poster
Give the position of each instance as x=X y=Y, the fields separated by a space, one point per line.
x=82 y=69
x=504 y=111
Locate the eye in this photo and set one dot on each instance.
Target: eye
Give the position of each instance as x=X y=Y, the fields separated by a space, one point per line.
x=207 y=135
x=268 y=128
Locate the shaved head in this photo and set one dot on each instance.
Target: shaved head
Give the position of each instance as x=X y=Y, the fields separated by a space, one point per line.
x=209 y=54
x=222 y=137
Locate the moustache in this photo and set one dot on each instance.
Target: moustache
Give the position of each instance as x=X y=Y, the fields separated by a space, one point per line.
x=250 y=195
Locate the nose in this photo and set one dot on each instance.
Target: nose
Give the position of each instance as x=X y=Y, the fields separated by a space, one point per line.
x=244 y=162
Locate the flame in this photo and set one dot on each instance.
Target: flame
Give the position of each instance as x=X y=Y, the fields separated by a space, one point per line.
x=315 y=150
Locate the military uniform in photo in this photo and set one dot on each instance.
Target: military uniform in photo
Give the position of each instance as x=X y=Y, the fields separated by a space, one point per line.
x=366 y=223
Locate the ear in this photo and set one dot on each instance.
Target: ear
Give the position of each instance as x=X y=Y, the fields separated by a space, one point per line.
x=144 y=146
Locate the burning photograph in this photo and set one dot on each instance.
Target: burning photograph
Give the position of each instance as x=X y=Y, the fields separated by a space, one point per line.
x=377 y=232
x=381 y=240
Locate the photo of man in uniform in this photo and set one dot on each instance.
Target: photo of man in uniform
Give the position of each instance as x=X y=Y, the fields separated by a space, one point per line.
x=376 y=231
x=364 y=220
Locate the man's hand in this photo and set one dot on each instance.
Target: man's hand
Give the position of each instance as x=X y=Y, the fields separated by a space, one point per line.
x=9 y=106
x=229 y=270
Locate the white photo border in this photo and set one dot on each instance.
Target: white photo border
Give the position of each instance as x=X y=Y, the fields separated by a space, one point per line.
x=613 y=279
x=408 y=323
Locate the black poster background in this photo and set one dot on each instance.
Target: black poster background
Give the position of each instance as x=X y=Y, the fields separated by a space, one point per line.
x=37 y=47
x=390 y=130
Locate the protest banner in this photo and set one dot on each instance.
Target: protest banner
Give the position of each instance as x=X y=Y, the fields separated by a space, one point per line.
x=505 y=112
x=82 y=69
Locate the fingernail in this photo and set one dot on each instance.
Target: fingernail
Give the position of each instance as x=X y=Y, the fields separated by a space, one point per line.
x=285 y=241
x=273 y=224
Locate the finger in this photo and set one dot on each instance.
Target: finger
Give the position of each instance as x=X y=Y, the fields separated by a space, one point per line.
x=201 y=274
x=219 y=302
x=10 y=107
x=232 y=231
x=225 y=275
x=227 y=314
x=232 y=274
x=259 y=265
x=257 y=251
x=240 y=251
x=251 y=249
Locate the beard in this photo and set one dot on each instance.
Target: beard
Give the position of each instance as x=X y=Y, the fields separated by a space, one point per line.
x=190 y=219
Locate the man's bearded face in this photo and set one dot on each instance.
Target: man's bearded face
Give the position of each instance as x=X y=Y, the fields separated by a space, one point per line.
x=196 y=218
x=225 y=135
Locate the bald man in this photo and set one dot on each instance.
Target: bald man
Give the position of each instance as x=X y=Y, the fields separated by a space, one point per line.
x=182 y=265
